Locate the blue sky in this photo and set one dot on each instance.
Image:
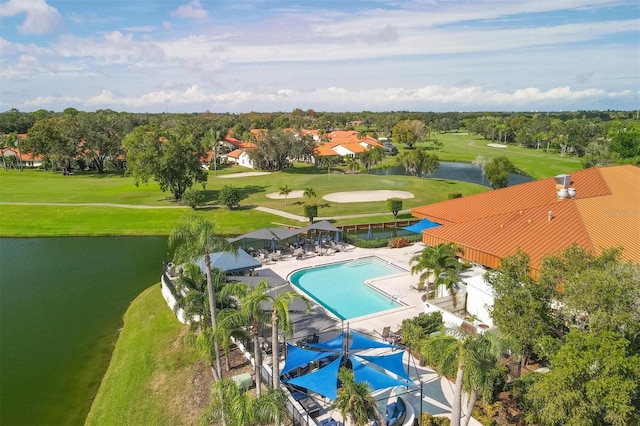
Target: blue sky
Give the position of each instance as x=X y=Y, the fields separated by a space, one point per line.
x=261 y=55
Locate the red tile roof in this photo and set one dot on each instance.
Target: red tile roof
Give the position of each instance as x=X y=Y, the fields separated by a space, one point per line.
x=605 y=212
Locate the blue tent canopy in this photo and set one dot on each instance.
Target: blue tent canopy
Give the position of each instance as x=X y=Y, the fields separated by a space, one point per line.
x=420 y=226
x=334 y=344
x=298 y=357
x=358 y=341
x=375 y=379
x=392 y=363
x=323 y=381
x=229 y=262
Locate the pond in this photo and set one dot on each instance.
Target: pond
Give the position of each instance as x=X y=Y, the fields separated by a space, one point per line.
x=61 y=308
x=458 y=171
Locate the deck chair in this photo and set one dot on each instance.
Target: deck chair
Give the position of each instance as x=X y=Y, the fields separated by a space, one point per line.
x=386 y=332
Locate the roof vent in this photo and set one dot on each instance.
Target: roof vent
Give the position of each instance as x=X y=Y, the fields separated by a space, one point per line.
x=563 y=180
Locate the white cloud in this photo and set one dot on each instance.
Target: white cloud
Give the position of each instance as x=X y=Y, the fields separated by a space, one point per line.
x=40 y=17
x=192 y=10
x=437 y=97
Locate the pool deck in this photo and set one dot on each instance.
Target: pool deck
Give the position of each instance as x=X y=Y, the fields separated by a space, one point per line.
x=437 y=392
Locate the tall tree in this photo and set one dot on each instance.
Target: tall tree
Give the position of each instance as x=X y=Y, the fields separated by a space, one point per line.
x=275 y=149
x=101 y=133
x=522 y=307
x=252 y=301
x=280 y=320
x=409 y=132
x=498 y=170
x=472 y=359
x=170 y=156
x=238 y=408
x=594 y=379
x=354 y=400
x=54 y=138
x=193 y=237
x=600 y=291
x=439 y=262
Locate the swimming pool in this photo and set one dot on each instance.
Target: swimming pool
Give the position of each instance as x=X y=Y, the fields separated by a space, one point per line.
x=340 y=287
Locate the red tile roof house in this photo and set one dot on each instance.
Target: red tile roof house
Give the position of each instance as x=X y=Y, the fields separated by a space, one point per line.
x=346 y=142
x=595 y=208
x=27 y=159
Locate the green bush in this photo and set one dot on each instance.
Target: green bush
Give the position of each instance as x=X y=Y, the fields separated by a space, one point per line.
x=429 y=420
x=193 y=198
x=453 y=195
x=415 y=330
x=229 y=196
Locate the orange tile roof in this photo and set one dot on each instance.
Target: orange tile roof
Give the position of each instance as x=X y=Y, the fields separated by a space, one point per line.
x=489 y=226
x=235 y=153
x=348 y=139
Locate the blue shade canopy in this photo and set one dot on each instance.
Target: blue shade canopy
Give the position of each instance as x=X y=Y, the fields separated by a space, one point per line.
x=358 y=341
x=229 y=262
x=334 y=344
x=392 y=363
x=420 y=226
x=298 y=357
x=323 y=381
x=375 y=379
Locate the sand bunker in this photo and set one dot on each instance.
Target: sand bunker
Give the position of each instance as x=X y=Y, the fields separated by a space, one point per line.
x=292 y=194
x=363 y=196
x=244 y=174
x=496 y=145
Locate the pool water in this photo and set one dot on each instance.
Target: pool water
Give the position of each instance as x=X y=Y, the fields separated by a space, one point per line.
x=340 y=287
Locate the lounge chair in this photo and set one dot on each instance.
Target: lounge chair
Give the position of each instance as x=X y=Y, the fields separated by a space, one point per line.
x=385 y=333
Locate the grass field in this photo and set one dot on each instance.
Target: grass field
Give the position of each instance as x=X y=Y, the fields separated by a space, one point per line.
x=150 y=377
x=463 y=147
x=35 y=186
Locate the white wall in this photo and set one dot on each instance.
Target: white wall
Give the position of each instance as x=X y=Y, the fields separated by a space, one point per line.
x=479 y=297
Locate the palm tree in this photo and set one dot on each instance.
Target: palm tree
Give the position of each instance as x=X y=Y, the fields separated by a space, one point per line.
x=309 y=193
x=285 y=190
x=252 y=301
x=195 y=236
x=280 y=318
x=192 y=285
x=354 y=400
x=352 y=164
x=237 y=408
x=439 y=261
x=473 y=359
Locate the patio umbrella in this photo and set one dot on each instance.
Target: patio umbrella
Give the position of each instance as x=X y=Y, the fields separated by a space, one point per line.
x=337 y=238
x=370 y=233
x=273 y=244
x=298 y=241
x=319 y=239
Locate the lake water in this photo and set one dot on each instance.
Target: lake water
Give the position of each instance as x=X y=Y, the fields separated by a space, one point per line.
x=61 y=306
x=458 y=171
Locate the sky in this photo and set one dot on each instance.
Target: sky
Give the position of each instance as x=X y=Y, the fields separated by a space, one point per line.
x=332 y=55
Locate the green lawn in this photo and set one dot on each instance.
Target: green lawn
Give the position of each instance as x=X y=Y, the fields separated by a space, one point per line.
x=150 y=378
x=465 y=148
x=34 y=186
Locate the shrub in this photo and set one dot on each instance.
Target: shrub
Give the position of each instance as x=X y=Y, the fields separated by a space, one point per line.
x=429 y=420
x=193 y=198
x=453 y=195
x=416 y=329
x=399 y=242
x=229 y=196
